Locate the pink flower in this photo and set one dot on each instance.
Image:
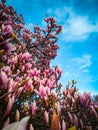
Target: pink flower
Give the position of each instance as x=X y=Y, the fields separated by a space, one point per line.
x=85 y=99
x=93 y=110
x=19 y=92
x=11 y=84
x=75 y=120
x=81 y=122
x=27 y=36
x=49 y=82
x=6 y=30
x=58 y=109
x=48 y=90
x=59 y=29
x=28 y=66
x=59 y=71
x=43 y=81
x=69 y=96
x=34 y=108
x=6 y=46
x=20 y=125
x=50 y=19
x=34 y=72
x=46 y=73
x=66 y=91
x=31 y=127
x=46 y=114
x=3 y=80
x=10 y=104
x=63 y=125
x=26 y=56
x=14 y=60
x=28 y=84
x=7 y=70
x=70 y=117
x=42 y=91
x=73 y=101
x=6 y=123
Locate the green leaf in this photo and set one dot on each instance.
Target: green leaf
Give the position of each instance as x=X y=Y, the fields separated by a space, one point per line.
x=72 y=128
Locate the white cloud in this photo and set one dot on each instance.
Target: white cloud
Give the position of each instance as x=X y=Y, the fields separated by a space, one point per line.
x=66 y=73
x=83 y=62
x=85 y=70
x=77 y=67
x=76 y=28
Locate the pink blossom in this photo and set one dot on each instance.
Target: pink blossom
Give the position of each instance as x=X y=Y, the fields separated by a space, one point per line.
x=49 y=83
x=14 y=60
x=87 y=95
x=59 y=29
x=6 y=123
x=19 y=92
x=69 y=96
x=85 y=99
x=26 y=56
x=93 y=110
x=48 y=90
x=43 y=81
x=23 y=68
x=28 y=66
x=11 y=83
x=10 y=104
x=28 y=84
x=34 y=108
x=7 y=70
x=59 y=71
x=20 y=26
x=20 y=125
x=53 y=78
x=46 y=73
x=73 y=101
x=58 y=109
x=46 y=114
x=50 y=19
x=42 y=91
x=6 y=30
x=65 y=91
x=31 y=127
x=34 y=72
x=75 y=120
x=18 y=79
x=63 y=125
x=27 y=36
x=81 y=122
x=3 y=80
x=70 y=116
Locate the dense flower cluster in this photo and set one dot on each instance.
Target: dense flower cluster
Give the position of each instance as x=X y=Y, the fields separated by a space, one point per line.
x=30 y=87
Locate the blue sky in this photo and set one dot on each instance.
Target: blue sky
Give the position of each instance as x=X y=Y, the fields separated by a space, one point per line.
x=78 y=53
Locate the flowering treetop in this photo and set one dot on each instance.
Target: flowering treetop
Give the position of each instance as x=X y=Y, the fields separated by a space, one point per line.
x=30 y=87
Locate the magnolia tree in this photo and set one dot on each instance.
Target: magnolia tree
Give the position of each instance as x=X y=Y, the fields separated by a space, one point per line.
x=31 y=96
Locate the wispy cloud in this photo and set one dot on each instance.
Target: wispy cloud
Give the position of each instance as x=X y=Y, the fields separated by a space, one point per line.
x=76 y=27
x=77 y=68
x=83 y=62
x=67 y=73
